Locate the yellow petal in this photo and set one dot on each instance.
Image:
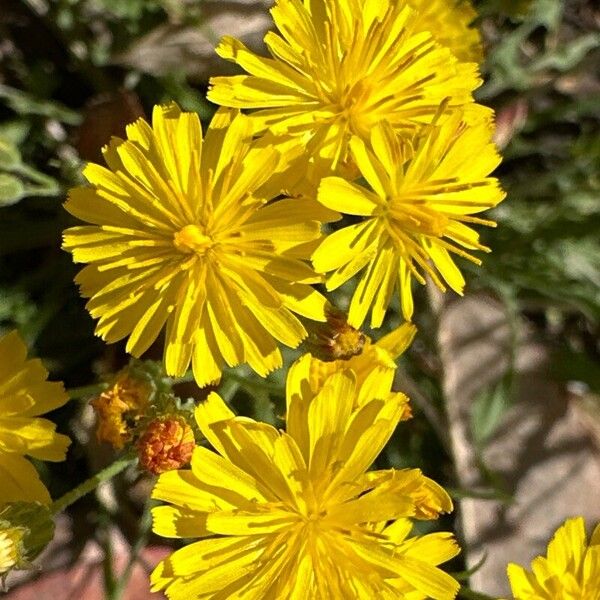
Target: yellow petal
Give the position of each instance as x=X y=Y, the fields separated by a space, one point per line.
x=349 y=198
x=183 y=489
x=172 y=522
x=20 y=481
x=236 y=485
x=328 y=415
x=208 y=415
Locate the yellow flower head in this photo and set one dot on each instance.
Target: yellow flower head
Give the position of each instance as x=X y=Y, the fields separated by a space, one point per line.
x=450 y=23
x=296 y=515
x=181 y=233
x=340 y=67
x=24 y=395
x=570 y=571
x=417 y=212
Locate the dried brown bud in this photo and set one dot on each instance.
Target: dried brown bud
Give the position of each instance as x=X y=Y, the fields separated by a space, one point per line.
x=166 y=444
x=336 y=339
x=120 y=407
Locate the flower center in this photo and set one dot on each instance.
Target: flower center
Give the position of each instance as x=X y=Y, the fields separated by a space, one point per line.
x=192 y=238
x=417 y=218
x=353 y=104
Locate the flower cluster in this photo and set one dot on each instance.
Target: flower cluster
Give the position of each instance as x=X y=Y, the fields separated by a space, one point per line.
x=361 y=155
x=362 y=110
x=139 y=410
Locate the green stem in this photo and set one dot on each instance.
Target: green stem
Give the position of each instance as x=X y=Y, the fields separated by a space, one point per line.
x=110 y=581
x=469 y=594
x=89 y=485
x=227 y=389
x=86 y=390
x=45 y=182
x=139 y=544
x=253 y=384
x=187 y=378
x=32 y=190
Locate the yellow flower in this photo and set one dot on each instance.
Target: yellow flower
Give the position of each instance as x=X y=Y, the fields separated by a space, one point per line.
x=450 y=23
x=182 y=233
x=24 y=395
x=417 y=213
x=570 y=571
x=340 y=67
x=10 y=544
x=296 y=515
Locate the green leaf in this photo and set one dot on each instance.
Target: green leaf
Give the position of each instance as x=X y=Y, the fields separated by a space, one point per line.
x=11 y=190
x=465 y=575
x=488 y=409
x=25 y=104
x=10 y=157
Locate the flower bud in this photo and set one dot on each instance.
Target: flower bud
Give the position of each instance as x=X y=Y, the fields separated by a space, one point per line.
x=26 y=528
x=166 y=444
x=11 y=541
x=120 y=407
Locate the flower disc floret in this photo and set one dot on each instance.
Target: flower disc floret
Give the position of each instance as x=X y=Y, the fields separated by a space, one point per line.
x=182 y=232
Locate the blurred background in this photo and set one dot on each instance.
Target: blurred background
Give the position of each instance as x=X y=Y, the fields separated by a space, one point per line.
x=505 y=382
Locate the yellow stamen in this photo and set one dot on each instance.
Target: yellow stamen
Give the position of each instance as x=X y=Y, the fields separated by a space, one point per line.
x=192 y=238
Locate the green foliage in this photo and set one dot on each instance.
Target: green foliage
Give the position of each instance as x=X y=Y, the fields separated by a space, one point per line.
x=546 y=248
x=488 y=409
